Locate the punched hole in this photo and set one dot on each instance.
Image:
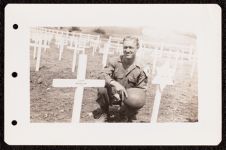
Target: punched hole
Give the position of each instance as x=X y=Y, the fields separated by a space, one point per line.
x=14 y=74
x=14 y=122
x=15 y=26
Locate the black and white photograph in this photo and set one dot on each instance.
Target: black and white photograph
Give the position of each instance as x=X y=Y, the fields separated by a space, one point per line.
x=126 y=74
x=113 y=74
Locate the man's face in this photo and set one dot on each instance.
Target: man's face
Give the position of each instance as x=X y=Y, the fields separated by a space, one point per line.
x=129 y=48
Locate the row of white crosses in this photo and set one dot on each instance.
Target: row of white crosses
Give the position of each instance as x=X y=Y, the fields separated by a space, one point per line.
x=94 y=41
x=36 y=35
x=40 y=40
x=80 y=43
x=79 y=46
x=77 y=42
x=116 y=45
x=183 y=54
x=164 y=75
x=112 y=46
x=179 y=52
x=61 y=41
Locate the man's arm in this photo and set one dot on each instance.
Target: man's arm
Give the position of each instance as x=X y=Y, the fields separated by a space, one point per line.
x=107 y=72
x=107 y=75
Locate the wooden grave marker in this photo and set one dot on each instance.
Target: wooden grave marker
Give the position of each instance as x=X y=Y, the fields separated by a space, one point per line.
x=163 y=77
x=80 y=83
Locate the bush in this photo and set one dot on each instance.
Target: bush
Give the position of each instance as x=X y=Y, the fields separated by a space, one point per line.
x=99 y=31
x=75 y=29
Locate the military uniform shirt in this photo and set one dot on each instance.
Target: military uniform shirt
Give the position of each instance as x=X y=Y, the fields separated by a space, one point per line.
x=131 y=77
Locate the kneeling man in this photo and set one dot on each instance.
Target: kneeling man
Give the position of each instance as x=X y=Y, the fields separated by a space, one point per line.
x=121 y=74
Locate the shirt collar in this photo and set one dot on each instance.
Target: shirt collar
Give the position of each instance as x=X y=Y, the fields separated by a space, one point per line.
x=133 y=66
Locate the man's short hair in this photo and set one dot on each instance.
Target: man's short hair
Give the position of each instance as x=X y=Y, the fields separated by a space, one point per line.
x=132 y=38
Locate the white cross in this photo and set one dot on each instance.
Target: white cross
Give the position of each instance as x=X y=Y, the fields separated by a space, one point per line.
x=73 y=42
x=94 y=42
x=74 y=45
x=164 y=77
x=80 y=83
x=116 y=46
x=38 y=45
x=76 y=51
x=48 y=37
x=38 y=34
x=105 y=52
x=84 y=40
x=156 y=55
x=61 y=46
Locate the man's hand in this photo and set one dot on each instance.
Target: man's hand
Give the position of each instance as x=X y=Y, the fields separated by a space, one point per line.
x=119 y=88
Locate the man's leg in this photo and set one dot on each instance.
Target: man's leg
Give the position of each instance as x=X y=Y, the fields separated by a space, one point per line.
x=103 y=99
x=128 y=114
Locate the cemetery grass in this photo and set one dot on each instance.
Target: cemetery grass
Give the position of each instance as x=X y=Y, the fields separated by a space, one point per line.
x=179 y=102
